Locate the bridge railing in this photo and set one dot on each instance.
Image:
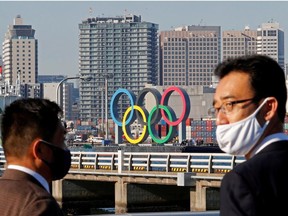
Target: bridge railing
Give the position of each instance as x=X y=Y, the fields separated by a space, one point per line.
x=2 y=160
x=155 y=161
x=150 y=161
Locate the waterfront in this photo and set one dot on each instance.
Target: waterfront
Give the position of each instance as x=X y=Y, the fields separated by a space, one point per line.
x=206 y=213
x=143 y=190
x=92 y=189
x=111 y=212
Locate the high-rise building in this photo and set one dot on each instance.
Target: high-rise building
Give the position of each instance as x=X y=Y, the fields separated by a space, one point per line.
x=189 y=54
x=20 y=54
x=121 y=52
x=1 y=68
x=239 y=42
x=270 y=42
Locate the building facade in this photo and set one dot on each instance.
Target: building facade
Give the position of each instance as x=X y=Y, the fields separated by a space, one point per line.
x=118 y=52
x=68 y=95
x=1 y=67
x=31 y=90
x=201 y=101
x=239 y=42
x=189 y=54
x=270 y=41
x=50 y=78
x=20 y=54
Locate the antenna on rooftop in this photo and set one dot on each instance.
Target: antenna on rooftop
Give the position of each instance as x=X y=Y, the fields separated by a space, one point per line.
x=90 y=11
x=271 y=20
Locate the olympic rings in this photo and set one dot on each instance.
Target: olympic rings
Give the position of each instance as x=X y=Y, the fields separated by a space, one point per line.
x=140 y=102
x=149 y=120
x=185 y=100
x=151 y=128
x=126 y=130
x=113 y=106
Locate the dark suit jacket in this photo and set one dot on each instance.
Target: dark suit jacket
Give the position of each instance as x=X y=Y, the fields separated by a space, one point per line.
x=258 y=186
x=22 y=195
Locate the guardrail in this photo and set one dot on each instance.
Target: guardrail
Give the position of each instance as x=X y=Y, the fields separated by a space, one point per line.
x=150 y=161
x=155 y=161
x=2 y=160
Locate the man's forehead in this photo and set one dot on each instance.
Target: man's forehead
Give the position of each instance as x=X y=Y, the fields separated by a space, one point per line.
x=233 y=86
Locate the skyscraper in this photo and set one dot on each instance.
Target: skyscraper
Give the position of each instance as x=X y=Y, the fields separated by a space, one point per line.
x=20 y=54
x=239 y=42
x=189 y=54
x=1 y=67
x=270 y=41
x=119 y=51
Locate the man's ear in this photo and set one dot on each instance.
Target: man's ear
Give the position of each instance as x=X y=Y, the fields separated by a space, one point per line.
x=271 y=108
x=37 y=148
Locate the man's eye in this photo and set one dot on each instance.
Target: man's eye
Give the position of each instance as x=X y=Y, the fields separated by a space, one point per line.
x=228 y=104
x=216 y=110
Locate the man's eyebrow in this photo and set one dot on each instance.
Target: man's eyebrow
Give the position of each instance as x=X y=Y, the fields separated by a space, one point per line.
x=223 y=98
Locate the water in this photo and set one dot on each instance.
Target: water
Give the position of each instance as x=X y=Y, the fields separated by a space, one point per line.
x=204 y=213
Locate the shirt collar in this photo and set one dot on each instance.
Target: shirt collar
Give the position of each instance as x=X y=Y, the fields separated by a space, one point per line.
x=268 y=140
x=36 y=175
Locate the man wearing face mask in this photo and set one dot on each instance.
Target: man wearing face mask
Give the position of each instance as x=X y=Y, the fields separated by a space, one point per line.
x=250 y=108
x=33 y=141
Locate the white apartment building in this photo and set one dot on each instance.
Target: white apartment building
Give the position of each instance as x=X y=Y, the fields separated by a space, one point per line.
x=20 y=55
x=118 y=52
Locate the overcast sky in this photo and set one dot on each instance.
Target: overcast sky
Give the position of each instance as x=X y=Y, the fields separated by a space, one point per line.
x=56 y=22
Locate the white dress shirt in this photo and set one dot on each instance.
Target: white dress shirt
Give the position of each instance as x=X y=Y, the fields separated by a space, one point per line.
x=37 y=176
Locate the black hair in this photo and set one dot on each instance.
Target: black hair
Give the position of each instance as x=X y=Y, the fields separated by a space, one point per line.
x=267 y=78
x=27 y=119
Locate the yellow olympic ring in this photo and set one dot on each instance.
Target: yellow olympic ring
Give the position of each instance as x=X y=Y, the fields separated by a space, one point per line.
x=140 y=138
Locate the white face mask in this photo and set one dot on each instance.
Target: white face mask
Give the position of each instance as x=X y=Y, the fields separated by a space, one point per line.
x=238 y=138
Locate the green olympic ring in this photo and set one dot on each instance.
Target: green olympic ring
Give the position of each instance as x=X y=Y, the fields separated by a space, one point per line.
x=151 y=127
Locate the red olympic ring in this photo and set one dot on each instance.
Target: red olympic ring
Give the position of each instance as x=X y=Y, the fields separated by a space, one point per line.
x=185 y=100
